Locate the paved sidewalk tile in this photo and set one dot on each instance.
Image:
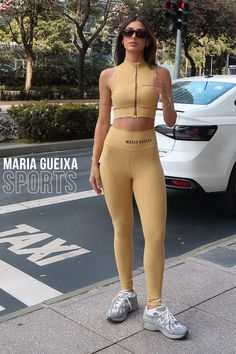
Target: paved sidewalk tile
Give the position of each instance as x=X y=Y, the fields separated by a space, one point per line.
x=222 y=256
x=193 y=282
x=47 y=332
x=208 y=334
x=169 y=298
x=223 y=306
x=114 y=349
x=91 y=312
x=217 y=267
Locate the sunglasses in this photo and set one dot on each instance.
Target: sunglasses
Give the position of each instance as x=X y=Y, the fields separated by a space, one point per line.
x=128 y=32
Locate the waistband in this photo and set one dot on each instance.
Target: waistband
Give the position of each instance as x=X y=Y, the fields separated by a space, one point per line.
x=131 y=140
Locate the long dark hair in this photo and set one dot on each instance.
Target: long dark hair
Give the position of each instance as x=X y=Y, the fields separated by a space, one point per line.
x=149 y=53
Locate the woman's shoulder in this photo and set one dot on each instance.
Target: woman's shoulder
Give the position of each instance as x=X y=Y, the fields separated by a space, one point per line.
x=107 y=76
x=161 y=70
x=107 y=73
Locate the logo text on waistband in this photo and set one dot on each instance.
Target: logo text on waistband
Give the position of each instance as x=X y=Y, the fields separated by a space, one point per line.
x=139 y=141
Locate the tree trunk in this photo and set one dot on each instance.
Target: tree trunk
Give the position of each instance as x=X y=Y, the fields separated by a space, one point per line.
x=192 y=63
x=220 y=63
x=81 y=72
x=29 y=60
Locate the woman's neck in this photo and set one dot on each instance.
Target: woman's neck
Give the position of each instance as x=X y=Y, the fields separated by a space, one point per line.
x=134 y=58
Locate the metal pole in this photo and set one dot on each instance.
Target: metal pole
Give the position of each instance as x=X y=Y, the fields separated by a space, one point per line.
x=178 y=54
x=211 y=64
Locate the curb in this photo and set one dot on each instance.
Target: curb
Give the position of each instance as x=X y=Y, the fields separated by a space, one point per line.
x=11 y=149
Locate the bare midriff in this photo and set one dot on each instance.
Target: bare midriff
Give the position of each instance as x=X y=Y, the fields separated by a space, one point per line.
x=133 y=124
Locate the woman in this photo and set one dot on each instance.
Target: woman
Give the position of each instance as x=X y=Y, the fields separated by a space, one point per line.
x=130 y=165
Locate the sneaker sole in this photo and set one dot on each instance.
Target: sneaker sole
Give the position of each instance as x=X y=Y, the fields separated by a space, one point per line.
x=152 y=327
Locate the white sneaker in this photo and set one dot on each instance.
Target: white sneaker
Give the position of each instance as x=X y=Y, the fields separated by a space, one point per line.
x=160 y=319
x=125 y=302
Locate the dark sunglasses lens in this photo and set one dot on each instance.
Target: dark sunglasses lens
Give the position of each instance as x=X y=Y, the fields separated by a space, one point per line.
x=128 y=32
x=141 y=34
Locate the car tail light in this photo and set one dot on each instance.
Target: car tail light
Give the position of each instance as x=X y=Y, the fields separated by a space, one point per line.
x=180 y=183
x=185 y=132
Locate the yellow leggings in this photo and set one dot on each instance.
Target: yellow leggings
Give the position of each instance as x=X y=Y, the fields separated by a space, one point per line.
x=130 y=165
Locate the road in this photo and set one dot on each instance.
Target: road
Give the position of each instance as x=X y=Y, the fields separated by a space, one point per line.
x=56 y=234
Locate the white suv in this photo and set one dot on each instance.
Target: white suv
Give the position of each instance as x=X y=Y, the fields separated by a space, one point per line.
x=199 y=152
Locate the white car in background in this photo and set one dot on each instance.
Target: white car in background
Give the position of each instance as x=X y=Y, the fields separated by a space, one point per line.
x=199 y=152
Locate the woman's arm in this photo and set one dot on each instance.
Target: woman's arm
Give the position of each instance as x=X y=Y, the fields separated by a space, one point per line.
x=162 y=83
x=101 y=129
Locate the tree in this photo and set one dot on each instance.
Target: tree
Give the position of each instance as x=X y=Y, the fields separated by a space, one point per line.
x=87 y=19
x=212 y=18
x=21 y=16
x=211 y=50
x=50 y=38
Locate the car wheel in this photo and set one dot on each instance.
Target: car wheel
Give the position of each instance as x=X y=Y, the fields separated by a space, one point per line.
x=231 y=192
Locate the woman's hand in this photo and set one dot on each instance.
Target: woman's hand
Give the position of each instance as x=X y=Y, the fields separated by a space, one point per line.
x=95 y=179
x=162 y=84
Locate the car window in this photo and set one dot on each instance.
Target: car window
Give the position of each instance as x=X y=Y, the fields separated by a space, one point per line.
x=199 y=92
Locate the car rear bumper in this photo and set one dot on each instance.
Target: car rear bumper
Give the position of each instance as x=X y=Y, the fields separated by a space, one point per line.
x=182 y=183
x=200 y=173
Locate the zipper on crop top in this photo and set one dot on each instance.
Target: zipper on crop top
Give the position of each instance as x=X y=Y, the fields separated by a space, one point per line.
x=135 y=99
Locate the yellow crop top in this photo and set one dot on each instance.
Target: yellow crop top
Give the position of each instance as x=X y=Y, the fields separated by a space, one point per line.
x=133 y=93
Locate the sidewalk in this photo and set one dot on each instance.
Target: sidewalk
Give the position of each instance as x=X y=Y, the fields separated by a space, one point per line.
x=199 y=288
x=15 y=149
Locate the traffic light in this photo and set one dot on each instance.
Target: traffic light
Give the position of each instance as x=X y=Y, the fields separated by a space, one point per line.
x=171 y=15
x=177 y=15
x=182 y=14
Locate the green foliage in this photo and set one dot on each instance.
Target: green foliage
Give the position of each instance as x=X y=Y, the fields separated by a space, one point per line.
x=46 y=32
x=207 y=19
x=7 y=129
x=53 y=80
x=11 y=78
x=76 y=121
x=53 y=35
x=55 y=72
x=87 y=19
x=41 y=121
x=213 y=18
x=208 y=47
x=34 y=121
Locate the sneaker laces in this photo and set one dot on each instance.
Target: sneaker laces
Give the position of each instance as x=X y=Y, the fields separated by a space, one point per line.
x=121 y=299
x=165 y=316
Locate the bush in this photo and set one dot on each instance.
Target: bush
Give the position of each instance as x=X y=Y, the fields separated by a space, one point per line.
x=76 y=121
x=7 y=130
x=34 y=121
x=41 y=121
x=55 y=73
x=11 y=78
